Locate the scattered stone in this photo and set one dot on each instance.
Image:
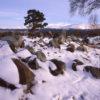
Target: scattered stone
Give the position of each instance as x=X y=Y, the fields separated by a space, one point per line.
x=5 y=84
x=33 y=64
x=60 y=67
x=93 y=70
x=71 y=48
x=25 y=74
x=41 y=56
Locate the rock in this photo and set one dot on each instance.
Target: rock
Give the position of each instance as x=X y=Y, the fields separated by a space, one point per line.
x=30 y=49
x=26 y=60
x=71 y=48
x=93 y=70
x=54 y=43
x=16 y=40
x=75 y=63
x=78 y=62
x=60 y=67
x=41 y=56
x=25 y=74
x=13 y=48
x=5 y=84
x=33 y=64
x=74 y=66
x=82 y=48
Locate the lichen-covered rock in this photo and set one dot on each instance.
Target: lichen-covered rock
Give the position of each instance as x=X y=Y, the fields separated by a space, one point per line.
x=71 y=48
x=41 y=56
x=25 y=74
x=33 y=64
x=93 y=70
x=60 y=67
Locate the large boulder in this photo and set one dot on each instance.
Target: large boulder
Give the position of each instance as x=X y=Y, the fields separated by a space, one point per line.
x=71 y=48
x=93 y=70
x=5 y=84
x=76 y=63
x=41 y=56
x=25 y=74
x=33 y=64
x=60 y=67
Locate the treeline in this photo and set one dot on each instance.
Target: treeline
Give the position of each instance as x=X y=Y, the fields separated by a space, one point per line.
x=54 y=32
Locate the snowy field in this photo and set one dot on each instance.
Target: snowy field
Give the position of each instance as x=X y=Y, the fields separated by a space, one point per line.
x=72 y=85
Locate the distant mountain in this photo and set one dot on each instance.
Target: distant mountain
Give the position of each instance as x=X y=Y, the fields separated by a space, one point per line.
x=74 y=26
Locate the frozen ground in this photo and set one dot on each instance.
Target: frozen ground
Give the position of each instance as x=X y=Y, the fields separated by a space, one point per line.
x=73 y=85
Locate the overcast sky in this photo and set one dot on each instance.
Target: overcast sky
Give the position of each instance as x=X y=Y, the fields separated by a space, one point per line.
x=12 y=12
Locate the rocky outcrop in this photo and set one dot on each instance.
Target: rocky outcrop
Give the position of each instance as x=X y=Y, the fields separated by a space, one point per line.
x=93 y=70
x=60 y=67
x=71 y=48
x=41 y=56
x=25 y=74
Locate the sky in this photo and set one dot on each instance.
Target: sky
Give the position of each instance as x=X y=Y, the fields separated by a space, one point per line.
x=12 y=12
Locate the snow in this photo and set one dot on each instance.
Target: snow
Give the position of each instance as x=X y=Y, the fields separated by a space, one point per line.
x=9 y=71
x=24 y=54
x=78 y=85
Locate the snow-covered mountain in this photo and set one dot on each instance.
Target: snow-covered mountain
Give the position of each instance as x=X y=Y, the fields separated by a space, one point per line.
x=74 y=26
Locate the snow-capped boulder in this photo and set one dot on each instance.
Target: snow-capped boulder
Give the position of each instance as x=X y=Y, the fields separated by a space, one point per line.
x=60 y=67
x=24 y=54
x=25 y=74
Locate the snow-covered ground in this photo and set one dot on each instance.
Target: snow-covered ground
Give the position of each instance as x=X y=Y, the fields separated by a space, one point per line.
x=73 y=85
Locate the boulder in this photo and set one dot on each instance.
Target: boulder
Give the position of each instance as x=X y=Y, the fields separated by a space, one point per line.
x=5 y=84
x=93 y=70
x=41 y=56
x=30 y=49
x=54 y=43
x=71 y=48
x=25 y=74
x=82 y=48
x=76 y=63
x=33 y=64
x=60 y=67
